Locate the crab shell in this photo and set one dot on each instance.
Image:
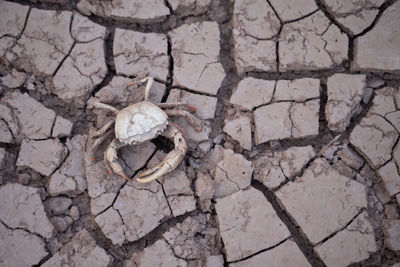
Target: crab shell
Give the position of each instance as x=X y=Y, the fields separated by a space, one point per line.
x=140 y=122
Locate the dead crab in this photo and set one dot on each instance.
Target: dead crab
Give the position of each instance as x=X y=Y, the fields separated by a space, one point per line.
x=142 y=122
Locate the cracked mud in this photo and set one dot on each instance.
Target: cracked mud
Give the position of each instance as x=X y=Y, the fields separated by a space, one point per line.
x=297 y=162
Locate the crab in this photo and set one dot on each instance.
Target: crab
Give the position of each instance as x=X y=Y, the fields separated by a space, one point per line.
x=141 y=122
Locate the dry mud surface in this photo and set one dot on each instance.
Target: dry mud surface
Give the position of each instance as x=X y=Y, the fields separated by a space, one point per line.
x=297 y=162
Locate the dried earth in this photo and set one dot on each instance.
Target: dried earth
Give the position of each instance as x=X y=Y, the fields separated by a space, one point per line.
x=297 y=162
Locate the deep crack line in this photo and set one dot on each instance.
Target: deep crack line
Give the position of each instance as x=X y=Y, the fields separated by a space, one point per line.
x=109 y=60
x=170 y=76
x=227 y=59
x=331 y=17
x=297 y=235
x=381 y=9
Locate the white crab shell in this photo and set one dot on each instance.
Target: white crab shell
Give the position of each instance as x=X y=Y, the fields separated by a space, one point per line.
x=140 y=122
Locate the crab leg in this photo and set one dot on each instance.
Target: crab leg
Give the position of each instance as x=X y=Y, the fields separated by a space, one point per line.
x=173 y=158
x=100 y=140
x=184 y=105
x=150 y=81
x=104 y=129
x=149 y=84
x=105 y=106
x=190 y=118
x=93 y=146
x=110 y=156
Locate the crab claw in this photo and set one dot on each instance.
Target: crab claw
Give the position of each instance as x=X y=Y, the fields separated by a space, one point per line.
x=110 y=156
x=190 y=108
x=173 y=158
